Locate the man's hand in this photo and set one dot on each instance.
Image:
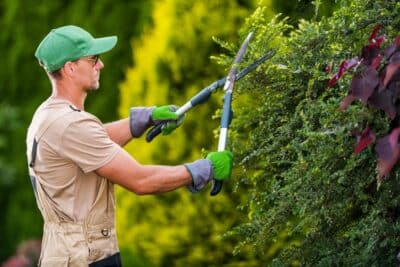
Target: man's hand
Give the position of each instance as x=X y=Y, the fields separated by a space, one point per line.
x=217 y=165
x=141 y=118
x=222 y=163
x=167 y=113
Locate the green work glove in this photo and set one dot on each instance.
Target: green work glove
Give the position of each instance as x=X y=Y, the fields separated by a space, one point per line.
x=217 y=165
x=141 y=118
x=167 y=113
x=222 y=163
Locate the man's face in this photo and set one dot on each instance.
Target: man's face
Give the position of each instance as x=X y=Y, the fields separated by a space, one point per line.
x=89 y=72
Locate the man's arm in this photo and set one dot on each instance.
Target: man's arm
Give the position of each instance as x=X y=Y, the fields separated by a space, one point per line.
x=144 y=179
x=119 y=131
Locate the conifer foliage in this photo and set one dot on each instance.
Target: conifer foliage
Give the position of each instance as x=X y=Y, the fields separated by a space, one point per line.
x=313 y=202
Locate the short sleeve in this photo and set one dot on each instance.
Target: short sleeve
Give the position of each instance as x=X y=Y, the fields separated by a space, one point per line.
x=87 y=144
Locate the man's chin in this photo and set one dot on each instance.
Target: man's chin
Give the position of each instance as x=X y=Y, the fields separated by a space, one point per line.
x=93 y=89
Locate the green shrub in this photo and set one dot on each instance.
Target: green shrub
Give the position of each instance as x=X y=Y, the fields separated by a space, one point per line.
x=312 y=201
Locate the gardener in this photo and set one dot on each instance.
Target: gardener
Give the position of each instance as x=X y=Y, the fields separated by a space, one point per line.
x=74 y=159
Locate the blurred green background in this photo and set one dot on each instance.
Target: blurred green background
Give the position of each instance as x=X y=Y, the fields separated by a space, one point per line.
x=167 y=51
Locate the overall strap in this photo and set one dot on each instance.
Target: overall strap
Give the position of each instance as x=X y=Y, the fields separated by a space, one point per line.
x=42 y=197
x=43 y=126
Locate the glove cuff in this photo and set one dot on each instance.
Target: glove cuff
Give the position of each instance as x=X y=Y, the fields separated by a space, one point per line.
x=202 y=172
x=140 y=120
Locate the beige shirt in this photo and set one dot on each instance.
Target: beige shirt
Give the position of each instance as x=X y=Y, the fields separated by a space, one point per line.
x=68 y=153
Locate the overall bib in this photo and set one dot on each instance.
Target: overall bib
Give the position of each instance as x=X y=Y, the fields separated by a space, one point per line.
x=88 y=242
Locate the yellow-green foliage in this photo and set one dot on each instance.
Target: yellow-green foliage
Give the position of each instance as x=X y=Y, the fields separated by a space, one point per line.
x=172 y=63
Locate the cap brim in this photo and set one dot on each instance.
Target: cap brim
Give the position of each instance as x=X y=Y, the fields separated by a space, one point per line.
x=102 y=45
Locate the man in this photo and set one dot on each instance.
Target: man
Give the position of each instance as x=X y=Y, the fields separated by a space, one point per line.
x=74 y=159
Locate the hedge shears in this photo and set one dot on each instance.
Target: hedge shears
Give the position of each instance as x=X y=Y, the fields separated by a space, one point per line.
x=226 y=117
x=205 y=94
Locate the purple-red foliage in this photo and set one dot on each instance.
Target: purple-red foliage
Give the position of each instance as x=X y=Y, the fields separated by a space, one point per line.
x=388 y=152
x=364 y=139
x=376 y=82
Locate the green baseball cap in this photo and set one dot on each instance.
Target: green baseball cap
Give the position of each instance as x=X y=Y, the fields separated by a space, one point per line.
x=69 y=43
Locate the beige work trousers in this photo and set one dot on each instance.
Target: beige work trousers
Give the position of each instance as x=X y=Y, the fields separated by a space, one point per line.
x=74 y=244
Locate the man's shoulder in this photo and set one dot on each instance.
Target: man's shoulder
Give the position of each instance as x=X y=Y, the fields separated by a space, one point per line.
x=75 y=121
x=54 y=116
x=77 y=115
x=62 y=108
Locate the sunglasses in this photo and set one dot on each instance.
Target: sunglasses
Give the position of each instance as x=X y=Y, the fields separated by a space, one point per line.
x=94 y=59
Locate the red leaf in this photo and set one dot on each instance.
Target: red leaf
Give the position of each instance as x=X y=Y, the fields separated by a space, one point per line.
x=373 y=40
x=397 y=41
x=393 y=47
x=390 y=70
x=374 y=32
x=395 y=58
x=392 y=67
x=376 y=61
x=344 y=66
x=363 y=84
x=388 y=152
x=384 y=167
x=378 y=41
x=364 y=140
x=346 y=101
x=384 y=100
x=332 y=81
x=369 y=53
x=394 y=85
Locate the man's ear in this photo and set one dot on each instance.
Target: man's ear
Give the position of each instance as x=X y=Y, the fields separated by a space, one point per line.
x=68 y=68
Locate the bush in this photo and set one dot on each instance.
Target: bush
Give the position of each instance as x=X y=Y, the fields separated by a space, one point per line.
x=313 y=202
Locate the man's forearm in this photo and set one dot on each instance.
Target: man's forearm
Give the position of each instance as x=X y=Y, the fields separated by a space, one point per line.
x=144 y=179
x=160 y=179
x=119 y=131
